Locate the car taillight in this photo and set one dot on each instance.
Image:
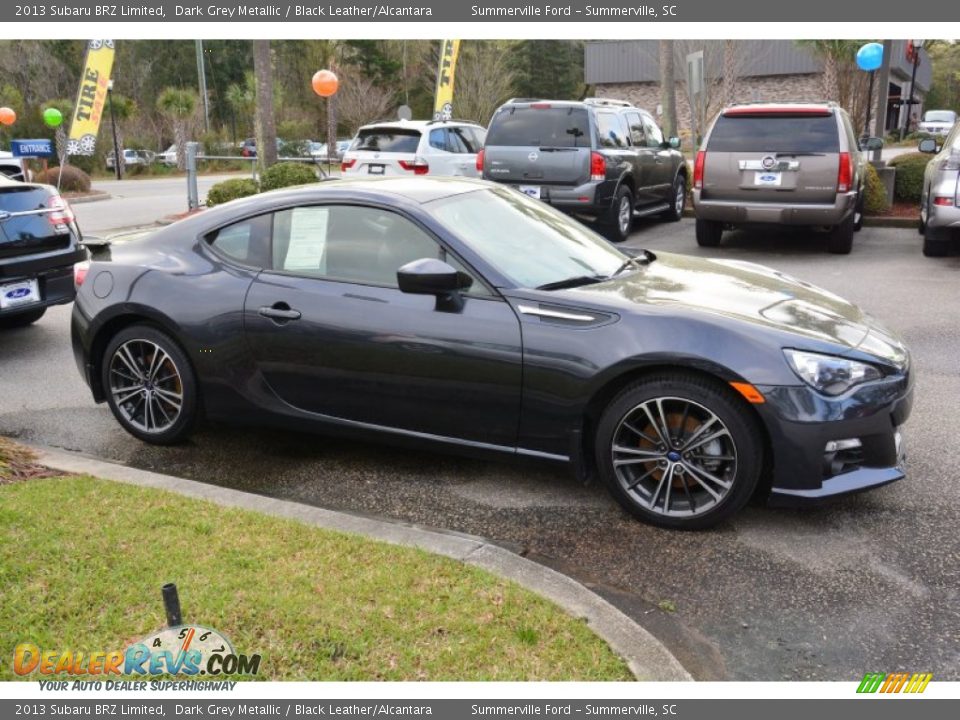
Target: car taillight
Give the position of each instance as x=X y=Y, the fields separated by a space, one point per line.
x=845 y=173
x=947 y=201
x=62 y=214
x=419 y=166
x=480 y=161
x=698 y=164
x=598 y=166
x=80 y=272
x=347 y=164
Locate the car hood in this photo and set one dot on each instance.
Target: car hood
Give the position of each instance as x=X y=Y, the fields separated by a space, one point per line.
x=746 y=292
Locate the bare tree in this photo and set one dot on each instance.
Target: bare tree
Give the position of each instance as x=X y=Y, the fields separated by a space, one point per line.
x=360 y=100
x=668 y=87
x=484 y=79
x=266 y=129
x=730 y=58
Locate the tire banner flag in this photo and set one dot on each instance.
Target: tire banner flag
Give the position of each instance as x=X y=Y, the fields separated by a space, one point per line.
x=91 y=97
x=443 y=104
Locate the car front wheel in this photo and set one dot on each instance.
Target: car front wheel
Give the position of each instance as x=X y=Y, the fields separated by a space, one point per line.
x=679 y=451
x=151 y=388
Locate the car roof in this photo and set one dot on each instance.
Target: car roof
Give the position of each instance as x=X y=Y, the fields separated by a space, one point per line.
x=416 y=124
x=779 y=109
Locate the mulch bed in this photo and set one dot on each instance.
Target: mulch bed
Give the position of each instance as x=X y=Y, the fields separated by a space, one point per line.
x=902 y=210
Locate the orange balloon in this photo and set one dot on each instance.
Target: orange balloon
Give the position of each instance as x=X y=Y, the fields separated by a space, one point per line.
x=325 y=83
x=7 y=116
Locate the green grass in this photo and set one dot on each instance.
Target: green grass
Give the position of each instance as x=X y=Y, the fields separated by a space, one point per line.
x=82 y=561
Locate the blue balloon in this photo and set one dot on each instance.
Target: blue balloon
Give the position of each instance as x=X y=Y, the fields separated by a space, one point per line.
x=870 y=56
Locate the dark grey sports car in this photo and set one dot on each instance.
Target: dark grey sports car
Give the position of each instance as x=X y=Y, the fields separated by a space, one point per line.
x=466 y=315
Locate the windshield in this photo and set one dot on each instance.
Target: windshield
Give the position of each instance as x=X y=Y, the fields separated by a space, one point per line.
x=526 y=240
x=947 y=116
x=540 y=125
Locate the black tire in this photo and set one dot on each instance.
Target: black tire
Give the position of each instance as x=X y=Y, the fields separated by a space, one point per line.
x=674 y=389
x=935 y=242
x=677 y=200
x=840 y=239
x=858 y=213
x=21 y=319
x=143 y=336
x=614 y=227
x=709 y=233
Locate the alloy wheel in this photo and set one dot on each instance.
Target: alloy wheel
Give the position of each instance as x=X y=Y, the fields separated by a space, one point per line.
x=146 y=386
x=674 y=457
x=624 y=215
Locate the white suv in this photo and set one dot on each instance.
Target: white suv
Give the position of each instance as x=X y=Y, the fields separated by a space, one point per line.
x=13 y=167
x=415 y=147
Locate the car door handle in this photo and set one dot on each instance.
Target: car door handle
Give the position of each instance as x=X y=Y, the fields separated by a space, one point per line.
x=280 y=312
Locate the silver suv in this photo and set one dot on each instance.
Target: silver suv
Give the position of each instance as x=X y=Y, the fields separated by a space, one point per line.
x=940 y=202
x=784 y=164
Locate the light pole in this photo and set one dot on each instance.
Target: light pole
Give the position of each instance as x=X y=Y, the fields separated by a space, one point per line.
x=917 y=46
x=113 y=125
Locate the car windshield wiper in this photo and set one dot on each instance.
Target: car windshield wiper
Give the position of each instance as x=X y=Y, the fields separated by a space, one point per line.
x=572 y=282
x=556 y=148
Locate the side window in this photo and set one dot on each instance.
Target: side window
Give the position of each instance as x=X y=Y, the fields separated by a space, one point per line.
x=637 y=136
x=612 y=133
x=348 y=243
x=652 y=131
x=455 y=142
x=247 y=241
x=465 y=140
x=438 y=139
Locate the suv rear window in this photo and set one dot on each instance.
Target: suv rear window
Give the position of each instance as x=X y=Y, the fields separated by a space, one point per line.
x=540 y=127
x=775 y=133
x=28 y=233
x=398 y=140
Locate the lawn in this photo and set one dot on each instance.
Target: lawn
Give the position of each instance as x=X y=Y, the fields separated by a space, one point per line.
x=82 y=561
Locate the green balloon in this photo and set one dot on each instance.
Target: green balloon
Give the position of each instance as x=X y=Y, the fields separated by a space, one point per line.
x=53 y=117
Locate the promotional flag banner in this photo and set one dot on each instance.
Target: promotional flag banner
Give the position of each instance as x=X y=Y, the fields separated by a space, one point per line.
x=443 y=105
x=91 y=98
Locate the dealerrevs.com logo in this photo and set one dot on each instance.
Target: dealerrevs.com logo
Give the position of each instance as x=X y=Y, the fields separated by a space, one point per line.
x=898 y=682
x=190 y=650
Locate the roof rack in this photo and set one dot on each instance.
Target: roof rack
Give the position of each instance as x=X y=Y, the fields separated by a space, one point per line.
x=523 y=100
x=608 y=102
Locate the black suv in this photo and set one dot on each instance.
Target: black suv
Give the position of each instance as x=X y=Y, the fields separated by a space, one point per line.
x=602 y=160
x=39 y=246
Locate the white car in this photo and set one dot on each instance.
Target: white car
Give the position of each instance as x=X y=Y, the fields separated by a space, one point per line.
x=12 y=166
x=133 y=157
x=169 y=156
x=415 y=147
x=937 y=122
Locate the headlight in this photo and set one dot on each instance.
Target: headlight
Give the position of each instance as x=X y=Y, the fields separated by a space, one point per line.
x=829 y=374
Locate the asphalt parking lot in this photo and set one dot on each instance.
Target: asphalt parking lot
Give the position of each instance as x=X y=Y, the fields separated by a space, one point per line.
x=867 y=583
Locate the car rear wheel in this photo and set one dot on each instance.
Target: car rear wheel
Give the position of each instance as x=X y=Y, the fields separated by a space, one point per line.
x=620 y=220
x=709 y=233
x=21 y=319
x=935 y=243
x=679 y=451
x=151 y=388
x=840 y=240
x=858 y=213
x=679 y=200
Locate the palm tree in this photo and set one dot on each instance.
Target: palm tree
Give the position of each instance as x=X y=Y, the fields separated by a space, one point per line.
x=179 y=106
x=668 y=88
x=834 y=53
x=242 y=101
x=266 y=128
x=124 y=108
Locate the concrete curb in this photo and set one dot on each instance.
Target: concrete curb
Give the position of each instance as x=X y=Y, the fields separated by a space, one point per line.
x=95 y=196
x=646 y=656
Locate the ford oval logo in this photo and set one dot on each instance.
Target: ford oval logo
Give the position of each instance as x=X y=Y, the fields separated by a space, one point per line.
x=18 y=293
x=768 y=178
x=532 y=157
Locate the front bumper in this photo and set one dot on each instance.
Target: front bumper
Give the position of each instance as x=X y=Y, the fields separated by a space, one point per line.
x=742 y=212
x=801 y=423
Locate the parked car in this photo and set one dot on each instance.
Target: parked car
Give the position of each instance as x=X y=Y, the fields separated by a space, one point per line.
x=12 y=167
x=39 y=246
x=937 y=122
x=415 y=147
x=248 y=148
x=318 y=150
x=600 y=160
x=169 y=156
x=783 y=164
x=463 y=314
x=940 y=201
x=136 y=157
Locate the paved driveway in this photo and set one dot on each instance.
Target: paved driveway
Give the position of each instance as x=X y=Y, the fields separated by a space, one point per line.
x=868 y=583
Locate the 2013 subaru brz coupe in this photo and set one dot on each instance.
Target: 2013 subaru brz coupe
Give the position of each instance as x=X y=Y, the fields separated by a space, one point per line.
x=463 y=314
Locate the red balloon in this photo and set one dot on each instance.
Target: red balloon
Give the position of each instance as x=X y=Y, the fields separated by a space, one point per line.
x=7 y=116
x=325 y=83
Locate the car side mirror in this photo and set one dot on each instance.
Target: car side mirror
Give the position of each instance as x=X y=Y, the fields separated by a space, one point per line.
x=928 y=145
x=674 y=143
x=429 y=276
x=871 y=143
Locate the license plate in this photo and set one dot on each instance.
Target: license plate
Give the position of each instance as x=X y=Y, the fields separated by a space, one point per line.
x=530 y=191
x=767 y=178
x=375 y=169
x=15 y=294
